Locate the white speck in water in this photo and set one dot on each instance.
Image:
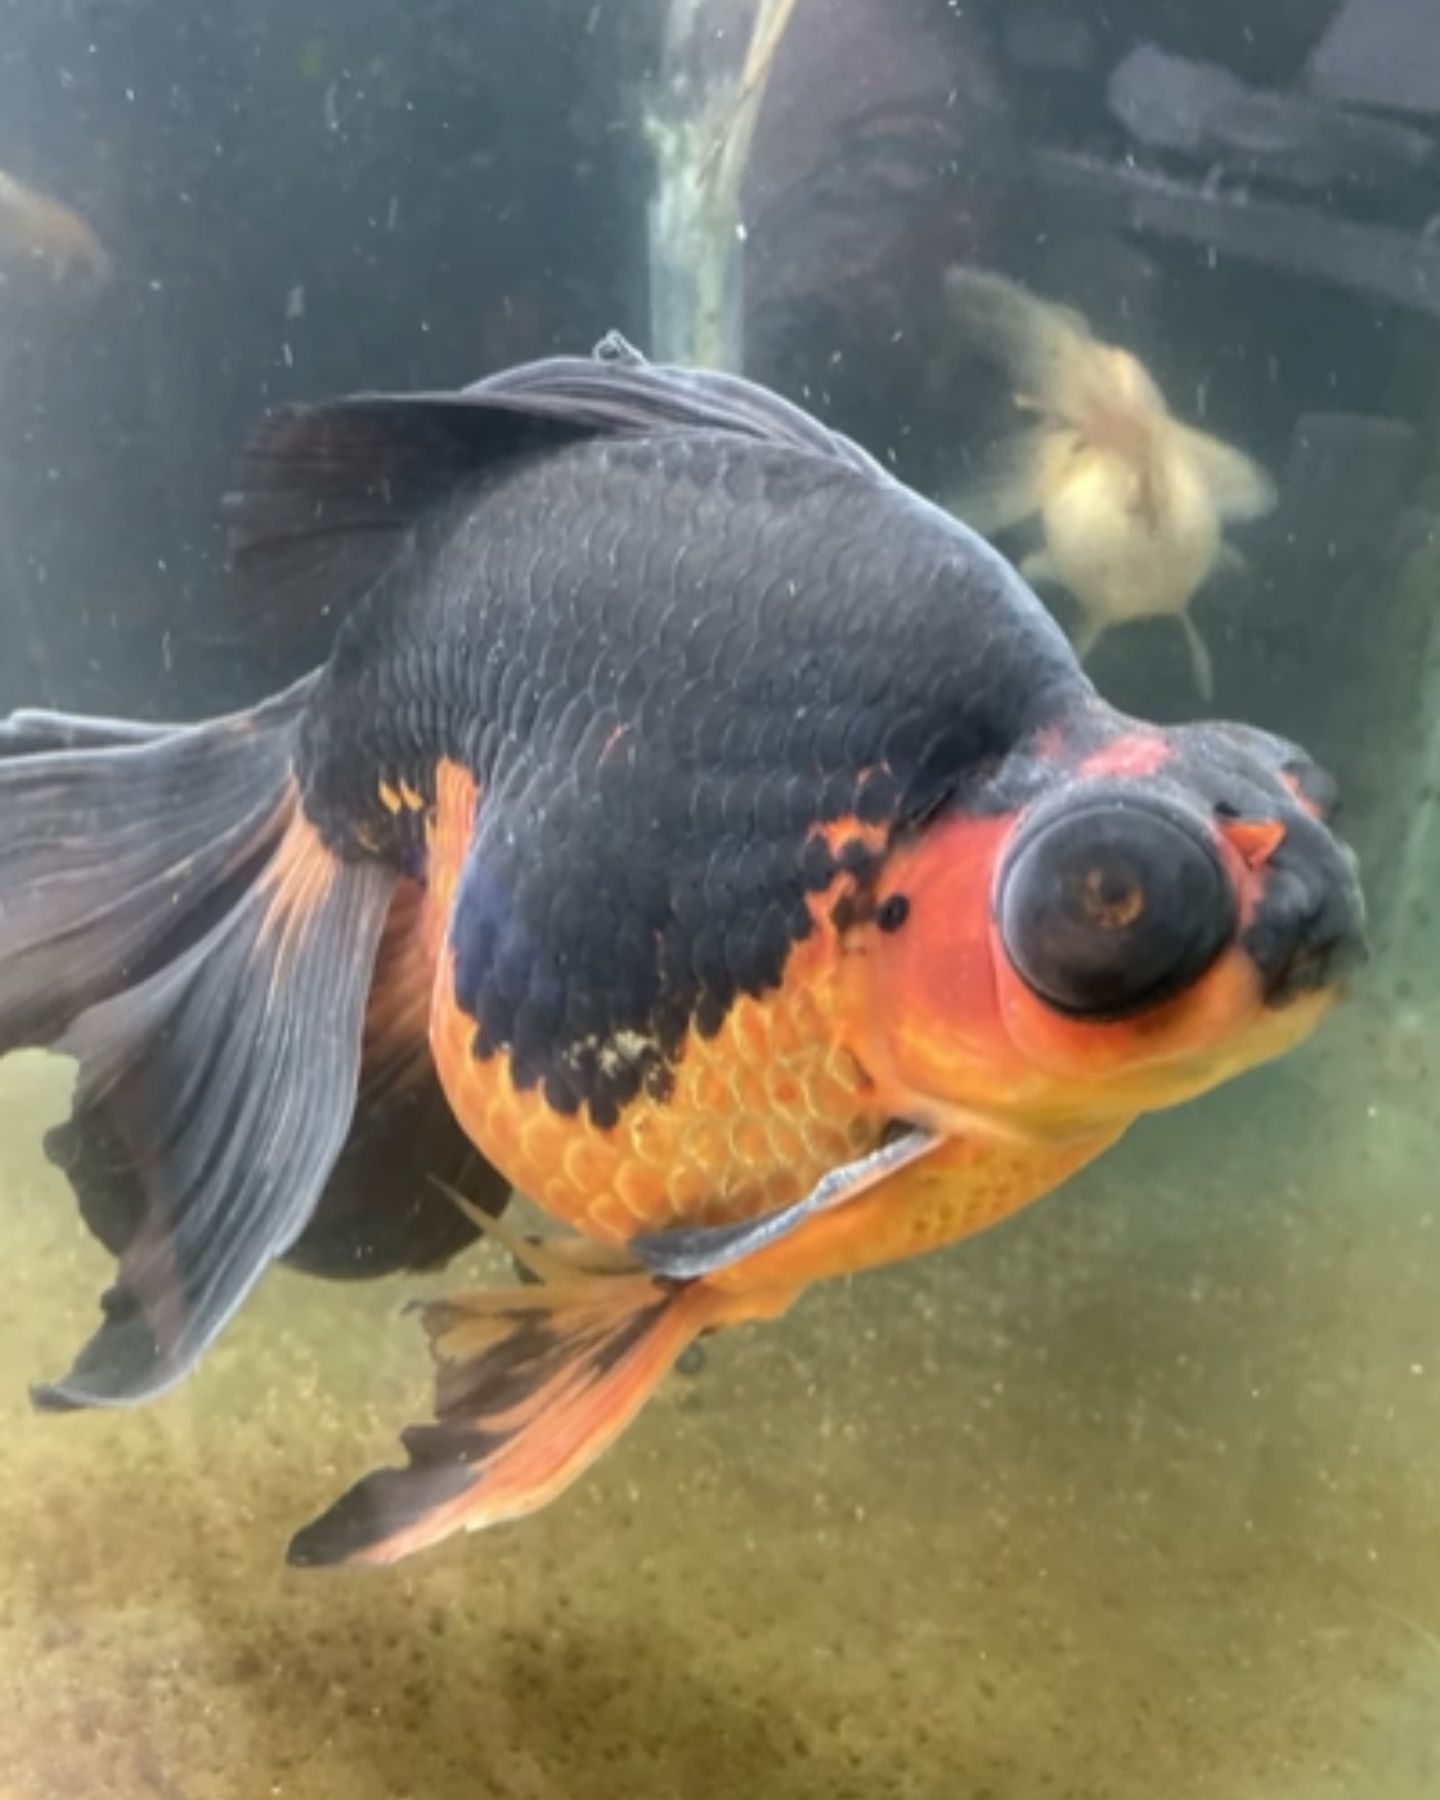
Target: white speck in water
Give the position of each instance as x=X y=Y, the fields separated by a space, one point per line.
x=740 y=231
x=287 y=356
x=295 y=302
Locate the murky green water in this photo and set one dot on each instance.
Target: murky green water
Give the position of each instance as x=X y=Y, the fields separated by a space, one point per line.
x=1138 y=1496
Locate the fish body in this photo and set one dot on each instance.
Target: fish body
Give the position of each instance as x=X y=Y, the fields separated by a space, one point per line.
x=691 y=827
x=661 y=1040
x=1132 y=503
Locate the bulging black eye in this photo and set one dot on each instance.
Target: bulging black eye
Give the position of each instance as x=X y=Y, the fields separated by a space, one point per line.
x=1112 y=907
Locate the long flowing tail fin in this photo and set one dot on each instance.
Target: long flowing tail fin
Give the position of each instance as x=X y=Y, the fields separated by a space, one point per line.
x=532 y=1384
x=170 y=918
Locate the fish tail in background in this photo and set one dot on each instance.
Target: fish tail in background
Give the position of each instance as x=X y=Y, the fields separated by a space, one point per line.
x=1046 y=350
x=532 y=1385
x=170 y=918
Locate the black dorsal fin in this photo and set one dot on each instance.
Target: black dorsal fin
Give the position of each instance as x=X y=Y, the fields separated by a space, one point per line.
x=617 y=390
x=330 y=495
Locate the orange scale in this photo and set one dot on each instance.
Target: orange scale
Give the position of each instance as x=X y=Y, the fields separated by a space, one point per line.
x=787 y=1033
x=753 y=1091
x=810 y=1015
x=686 y=1189
x=842 y=1069
x=826 y=1142
x=787 y=1146
x=824 y=1097
x=649 y=1137
x=608 y=1218
x=786 y=1092
x=780 y=1188
x=749 y=1029
x=705 y=1146
x=641 y=1191
x=555 y=1197
x=712 y=1091
x=589 y=1163
x=543 y=1138
x=750 y=1143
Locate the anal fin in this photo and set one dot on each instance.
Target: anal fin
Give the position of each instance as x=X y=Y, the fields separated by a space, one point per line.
x=532 y=1385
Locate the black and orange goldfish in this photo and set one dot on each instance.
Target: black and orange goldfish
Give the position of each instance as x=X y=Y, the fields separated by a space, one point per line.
x=693 y=829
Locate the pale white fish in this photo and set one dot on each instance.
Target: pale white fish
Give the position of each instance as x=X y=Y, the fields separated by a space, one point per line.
x=1132 y=503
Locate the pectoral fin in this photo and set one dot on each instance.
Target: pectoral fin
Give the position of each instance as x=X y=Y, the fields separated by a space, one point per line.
x=688 y=1253
x=1007 y=485
x=1088 y=633
x=1039 y=566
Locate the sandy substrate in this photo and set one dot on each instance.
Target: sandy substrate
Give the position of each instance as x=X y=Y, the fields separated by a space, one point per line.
x=1138 y=1499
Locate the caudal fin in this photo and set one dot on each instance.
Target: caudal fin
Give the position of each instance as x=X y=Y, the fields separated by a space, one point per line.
x=532 y=1384
x=169 y=917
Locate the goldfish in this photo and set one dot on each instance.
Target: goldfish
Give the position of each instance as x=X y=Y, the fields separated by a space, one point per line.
x=39 y=235
x=1131 y=502
x=691 y=828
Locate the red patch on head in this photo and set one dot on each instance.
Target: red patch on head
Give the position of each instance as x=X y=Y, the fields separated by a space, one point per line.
x=1132 y=757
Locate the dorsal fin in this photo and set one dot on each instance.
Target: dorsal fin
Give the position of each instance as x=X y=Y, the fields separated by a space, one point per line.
x=330 y=496
x=616 y=390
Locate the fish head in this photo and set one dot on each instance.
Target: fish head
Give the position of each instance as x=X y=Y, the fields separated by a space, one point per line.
x=1124 y=917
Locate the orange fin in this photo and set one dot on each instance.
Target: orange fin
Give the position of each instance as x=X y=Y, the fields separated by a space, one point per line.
x=532 y=1384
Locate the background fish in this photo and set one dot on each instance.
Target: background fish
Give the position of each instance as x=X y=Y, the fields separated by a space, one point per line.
x=691 y=827
x=39 y=236
x=1131 y=502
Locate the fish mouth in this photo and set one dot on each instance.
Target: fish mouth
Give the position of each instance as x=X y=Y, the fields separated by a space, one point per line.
x=1315 y=968
x=1308 y=934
